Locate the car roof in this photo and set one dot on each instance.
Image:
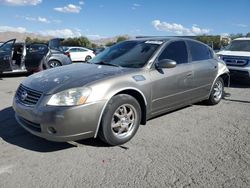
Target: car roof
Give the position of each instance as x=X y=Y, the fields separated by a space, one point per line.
x=76 y=47
x=164 y=39
x=151 y=38
x=243 y=38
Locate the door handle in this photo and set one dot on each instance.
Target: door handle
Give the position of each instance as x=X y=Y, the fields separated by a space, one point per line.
x=189 y=74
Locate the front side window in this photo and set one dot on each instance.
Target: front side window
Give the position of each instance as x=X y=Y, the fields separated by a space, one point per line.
x=131 y=54
x=176 y=51
x=7 y=47
x=199 y=51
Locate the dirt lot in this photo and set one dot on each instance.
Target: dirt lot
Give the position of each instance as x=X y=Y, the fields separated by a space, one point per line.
x=197 y=146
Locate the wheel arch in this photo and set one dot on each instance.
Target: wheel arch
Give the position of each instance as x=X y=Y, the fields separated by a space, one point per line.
x=226 y=78
x=50 y=60
x=54 y=59
x=138 y=95
x=141 y=100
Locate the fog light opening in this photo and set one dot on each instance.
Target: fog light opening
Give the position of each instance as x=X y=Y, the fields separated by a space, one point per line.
x=52 y=130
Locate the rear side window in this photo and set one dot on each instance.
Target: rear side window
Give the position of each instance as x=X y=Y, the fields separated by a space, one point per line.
x=38 y=48
x=176 y=51
x=81 y=50
x=199 y=51
x=73 y=50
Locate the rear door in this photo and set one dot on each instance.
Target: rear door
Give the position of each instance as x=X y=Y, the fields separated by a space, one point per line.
x=36 y=56
x=205 y=68
x=82 y=54
x=171 y=87
x=6 y=55
x=74 y=54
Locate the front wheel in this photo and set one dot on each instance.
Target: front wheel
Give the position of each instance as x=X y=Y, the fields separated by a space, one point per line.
x=121 y=120
x=217 y=92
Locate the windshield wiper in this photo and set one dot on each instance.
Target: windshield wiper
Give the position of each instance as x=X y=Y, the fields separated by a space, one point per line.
x=106 y=63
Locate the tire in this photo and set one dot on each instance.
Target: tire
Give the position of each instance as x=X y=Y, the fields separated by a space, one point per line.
x=217 y=92
x=53 y=64
x=87 y=58
x=121 y=120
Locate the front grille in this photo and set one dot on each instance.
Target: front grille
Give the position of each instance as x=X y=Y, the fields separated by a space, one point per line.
x=28 y=96
x=33 y=126
x=235 y=60
x=239 y=74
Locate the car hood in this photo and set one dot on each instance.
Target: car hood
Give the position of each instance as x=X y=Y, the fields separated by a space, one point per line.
x=234 y=53
x=70 y=76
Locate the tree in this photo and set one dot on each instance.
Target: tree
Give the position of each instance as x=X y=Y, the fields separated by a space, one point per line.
x=248 y=34
x=77 y=41
x=108 y=44
x=212 y=41
x=29 y=40
x=93 y=45
x=121 y=38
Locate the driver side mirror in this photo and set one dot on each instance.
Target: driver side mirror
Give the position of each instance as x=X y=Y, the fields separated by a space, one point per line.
x=165 y=63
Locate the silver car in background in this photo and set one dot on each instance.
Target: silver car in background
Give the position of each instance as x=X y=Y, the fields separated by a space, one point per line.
x=119 y=89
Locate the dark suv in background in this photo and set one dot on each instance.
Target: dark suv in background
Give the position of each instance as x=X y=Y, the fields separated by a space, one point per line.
x=21 y=57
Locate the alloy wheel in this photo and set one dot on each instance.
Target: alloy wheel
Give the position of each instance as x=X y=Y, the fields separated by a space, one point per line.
x=218 y=90
x=123 y=121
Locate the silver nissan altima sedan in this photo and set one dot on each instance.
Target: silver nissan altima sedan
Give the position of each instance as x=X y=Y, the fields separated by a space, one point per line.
x=119 y=89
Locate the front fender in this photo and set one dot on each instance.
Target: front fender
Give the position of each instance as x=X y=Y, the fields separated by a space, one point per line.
x=109 y=88
x=222 y=69
x=223 y=72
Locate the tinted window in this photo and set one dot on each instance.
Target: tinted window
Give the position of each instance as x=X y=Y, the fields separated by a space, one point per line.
x=176 y=51
x=65 y=48
x=81 y=50
x=199 y=51
x=73 y=50
x=7 y=47
x=38 y=48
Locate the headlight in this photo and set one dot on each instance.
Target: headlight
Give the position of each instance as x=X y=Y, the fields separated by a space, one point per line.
x=70 y=97
x=220 y=57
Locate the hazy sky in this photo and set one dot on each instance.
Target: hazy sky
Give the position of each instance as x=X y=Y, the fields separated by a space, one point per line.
x=105 y=18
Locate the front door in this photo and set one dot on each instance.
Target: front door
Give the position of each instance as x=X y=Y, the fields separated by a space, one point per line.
x=6 y=55
x=171 y=87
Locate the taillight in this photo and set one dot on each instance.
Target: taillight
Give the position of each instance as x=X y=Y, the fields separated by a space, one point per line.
x=67 y=54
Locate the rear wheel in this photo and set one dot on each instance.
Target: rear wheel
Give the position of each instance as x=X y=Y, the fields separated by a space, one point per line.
x=53 y=64
x=121 y=120
x=87 y=58
x=217 y=92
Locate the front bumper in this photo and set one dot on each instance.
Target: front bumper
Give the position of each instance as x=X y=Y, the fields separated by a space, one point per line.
x=239 y=72
x=59 y=123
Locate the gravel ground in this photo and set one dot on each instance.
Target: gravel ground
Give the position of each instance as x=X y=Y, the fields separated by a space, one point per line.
x=196 y=146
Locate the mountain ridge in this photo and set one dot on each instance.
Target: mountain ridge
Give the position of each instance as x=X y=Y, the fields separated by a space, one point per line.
x=7 y=35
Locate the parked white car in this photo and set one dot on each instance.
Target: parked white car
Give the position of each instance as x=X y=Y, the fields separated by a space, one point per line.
x=79 y=53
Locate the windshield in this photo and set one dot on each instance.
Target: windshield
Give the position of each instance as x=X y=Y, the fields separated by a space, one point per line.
x=131 y=54
x=239 y=45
